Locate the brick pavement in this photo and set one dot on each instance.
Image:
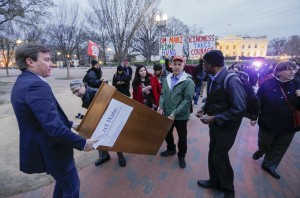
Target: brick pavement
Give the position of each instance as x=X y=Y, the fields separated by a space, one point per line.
x=157 y=177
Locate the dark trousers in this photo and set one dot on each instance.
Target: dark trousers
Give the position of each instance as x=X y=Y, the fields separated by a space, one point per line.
x=221 y=140
x=67 y=182
x=274 y=146
x=104 y=154
x=180 y=126
x=197 y=93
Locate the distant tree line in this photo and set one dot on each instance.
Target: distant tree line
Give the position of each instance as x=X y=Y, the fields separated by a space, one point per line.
x=285 y=46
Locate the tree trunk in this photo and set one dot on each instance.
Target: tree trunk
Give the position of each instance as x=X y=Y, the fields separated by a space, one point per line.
x=6 y=67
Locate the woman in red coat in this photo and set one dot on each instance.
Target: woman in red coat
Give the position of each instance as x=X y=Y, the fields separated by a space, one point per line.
x=146 y=88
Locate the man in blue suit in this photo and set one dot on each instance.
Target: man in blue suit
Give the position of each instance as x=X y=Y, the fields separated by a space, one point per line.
x=46 y=139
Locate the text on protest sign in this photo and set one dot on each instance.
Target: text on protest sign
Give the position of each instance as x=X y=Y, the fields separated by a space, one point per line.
x=93 y=49
x=199 y=45
x=171 y=45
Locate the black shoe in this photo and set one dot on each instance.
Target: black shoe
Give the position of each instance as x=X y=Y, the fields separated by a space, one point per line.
x=122 y=161
x=102 y=161
x=168 y=153
x=230 y=194
x=206 y=184
x=181 y=161
x=271 y=172
x=258 y=154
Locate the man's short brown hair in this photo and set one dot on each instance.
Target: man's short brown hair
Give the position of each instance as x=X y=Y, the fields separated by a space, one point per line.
x=28 y=50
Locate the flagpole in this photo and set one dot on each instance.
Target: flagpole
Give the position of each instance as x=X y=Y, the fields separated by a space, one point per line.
x=228 y=26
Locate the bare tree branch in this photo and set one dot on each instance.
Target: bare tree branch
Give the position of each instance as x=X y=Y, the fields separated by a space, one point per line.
x=121 y=19
x=145 y=41
x=24 y=12
x=67 y=31
x=277 y=46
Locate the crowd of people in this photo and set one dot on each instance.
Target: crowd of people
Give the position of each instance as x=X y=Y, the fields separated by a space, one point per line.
x=47 y=141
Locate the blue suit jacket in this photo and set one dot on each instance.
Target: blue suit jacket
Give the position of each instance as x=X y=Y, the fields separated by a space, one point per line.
x=46 y=139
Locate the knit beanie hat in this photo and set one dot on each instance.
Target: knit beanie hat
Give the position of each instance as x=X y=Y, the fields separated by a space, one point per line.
x=119 y=68
x=94 y=62
x=157 y=67
x=75 y=83
x=214 y=57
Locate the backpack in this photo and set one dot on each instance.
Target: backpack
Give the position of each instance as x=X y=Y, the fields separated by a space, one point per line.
x=252 y=101
x=86 y=78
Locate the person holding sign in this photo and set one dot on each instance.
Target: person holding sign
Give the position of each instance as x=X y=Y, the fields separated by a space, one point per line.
x=175 y=102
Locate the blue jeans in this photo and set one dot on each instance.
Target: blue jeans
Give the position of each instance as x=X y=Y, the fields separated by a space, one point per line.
x=67 y=182
x=196 y=94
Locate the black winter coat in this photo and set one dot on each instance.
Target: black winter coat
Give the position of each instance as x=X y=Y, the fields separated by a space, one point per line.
x=276 y=116
x=122 y=88
x=88 y=96
x=227 y=106
x=94 y=76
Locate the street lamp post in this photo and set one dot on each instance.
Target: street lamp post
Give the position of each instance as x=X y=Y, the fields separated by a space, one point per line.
x=18 y=42
x=161 y=22
x=58 y=62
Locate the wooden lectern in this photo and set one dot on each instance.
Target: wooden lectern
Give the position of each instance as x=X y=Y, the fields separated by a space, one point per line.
x=144 y=131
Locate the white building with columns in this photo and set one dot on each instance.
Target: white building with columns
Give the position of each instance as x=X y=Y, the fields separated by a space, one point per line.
x=236 y=46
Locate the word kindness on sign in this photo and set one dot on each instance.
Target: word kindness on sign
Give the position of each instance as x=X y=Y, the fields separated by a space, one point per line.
x=171 y=45
x=199 y=45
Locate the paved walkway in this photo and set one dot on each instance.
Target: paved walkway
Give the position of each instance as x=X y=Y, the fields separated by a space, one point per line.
x=157 y=177
x=154 y=176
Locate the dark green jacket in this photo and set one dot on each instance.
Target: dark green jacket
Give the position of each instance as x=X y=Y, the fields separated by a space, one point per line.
x=179 y=100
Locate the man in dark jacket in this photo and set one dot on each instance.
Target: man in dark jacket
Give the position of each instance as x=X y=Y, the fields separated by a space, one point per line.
x=198 y=79
x=87 y=95
x=121 y=81
x=127 y=69
x=93 y=76
x=46 y=139
x=224 y=110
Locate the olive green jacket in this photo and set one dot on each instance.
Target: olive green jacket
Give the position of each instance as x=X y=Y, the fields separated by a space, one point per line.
x=178 y=101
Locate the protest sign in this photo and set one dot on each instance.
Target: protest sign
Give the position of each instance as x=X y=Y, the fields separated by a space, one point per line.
x=200 y=44
x=171 y=46
x=93 y=49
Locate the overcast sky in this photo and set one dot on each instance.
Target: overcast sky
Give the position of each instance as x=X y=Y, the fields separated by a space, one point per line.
x=272 y=18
